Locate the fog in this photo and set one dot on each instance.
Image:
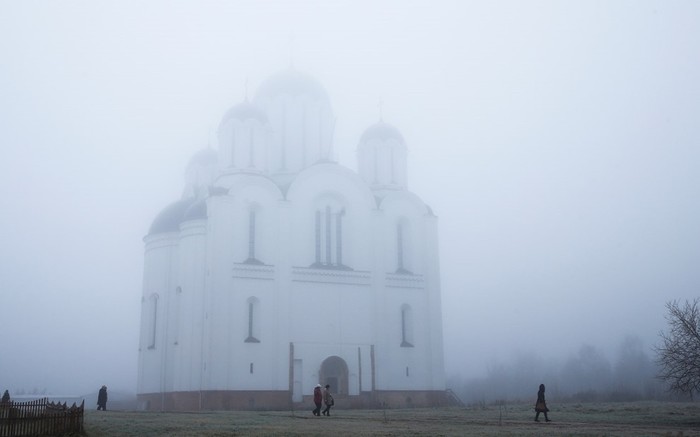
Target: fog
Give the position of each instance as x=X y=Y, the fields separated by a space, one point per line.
x=557 y=142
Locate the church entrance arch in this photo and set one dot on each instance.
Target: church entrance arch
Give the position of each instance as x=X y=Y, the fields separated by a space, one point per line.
x=334 y=372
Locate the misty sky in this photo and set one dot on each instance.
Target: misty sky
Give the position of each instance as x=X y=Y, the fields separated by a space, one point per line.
x=558 y=143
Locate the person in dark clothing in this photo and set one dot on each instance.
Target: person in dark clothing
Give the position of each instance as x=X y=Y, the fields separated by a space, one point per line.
x=102 y=399
x=541 y=405
x=6 y=397
x=328 y=400
x=318 y=398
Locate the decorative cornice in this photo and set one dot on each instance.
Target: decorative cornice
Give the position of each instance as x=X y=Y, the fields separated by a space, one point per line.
x=331 y=276
x=253 y=271
x=328 y=276
x=402 y=280
x=158 y=241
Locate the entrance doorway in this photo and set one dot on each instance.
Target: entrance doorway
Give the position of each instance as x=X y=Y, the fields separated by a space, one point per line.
x=334 y=372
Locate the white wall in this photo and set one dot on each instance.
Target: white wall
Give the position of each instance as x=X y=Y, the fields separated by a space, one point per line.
x=324 y=312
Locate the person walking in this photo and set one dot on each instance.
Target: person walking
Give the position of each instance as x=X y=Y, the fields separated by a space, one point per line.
x=328 y=400
x=102 y=399
x=318 y=398
x=541 y=405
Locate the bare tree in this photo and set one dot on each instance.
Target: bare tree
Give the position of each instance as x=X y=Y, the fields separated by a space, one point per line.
x=679 y=356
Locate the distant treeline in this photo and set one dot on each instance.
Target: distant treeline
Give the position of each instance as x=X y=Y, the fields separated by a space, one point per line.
x=586 y=376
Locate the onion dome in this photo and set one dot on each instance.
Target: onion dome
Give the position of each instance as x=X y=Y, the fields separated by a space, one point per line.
x=169 y=219
x=383 y=132
x=196 y=211
x=242 y=112
x=291 y=82
x=203 y=158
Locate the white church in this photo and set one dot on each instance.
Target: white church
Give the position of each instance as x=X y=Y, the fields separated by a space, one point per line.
x=280 y=269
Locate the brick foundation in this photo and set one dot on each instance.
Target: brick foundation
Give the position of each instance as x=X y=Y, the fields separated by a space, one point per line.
x=281 y=400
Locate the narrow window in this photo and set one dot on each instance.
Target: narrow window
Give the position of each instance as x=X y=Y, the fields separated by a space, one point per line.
x=154 y=321
x=403 y=328
x=251 y=367
x=399 y=247
x=178 y=305
x=251 y=234
x=251 y=150
x=328 y=235
x=402 y=248
x=406 y=370
x=339 y=237
x=329 y=238
x=253 y=323
x=251 y=308
x=318 y=237
x=406 y=327
x=143 y=316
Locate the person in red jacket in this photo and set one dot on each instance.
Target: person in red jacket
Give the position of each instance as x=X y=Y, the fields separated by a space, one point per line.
x=318 y=398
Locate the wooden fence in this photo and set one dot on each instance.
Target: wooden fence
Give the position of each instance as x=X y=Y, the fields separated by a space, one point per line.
x=40 y=418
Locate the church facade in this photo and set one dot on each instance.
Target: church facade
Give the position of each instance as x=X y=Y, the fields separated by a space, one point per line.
x=280 y=269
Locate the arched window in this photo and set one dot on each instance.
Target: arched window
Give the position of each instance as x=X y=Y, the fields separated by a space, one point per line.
x=403 y=246
x=406 y=326
x=153 y=307
x=328 y=232
x=253 y=306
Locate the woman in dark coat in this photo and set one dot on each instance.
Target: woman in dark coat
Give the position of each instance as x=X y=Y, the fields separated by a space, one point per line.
x=102 y=399
x=541 y=405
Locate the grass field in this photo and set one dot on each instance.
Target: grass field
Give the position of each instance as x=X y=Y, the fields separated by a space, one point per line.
x=610 y=419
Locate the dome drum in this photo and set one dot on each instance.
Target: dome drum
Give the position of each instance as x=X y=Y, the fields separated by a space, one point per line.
x=243 y=146
x=382 y=157
x=301 y=118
